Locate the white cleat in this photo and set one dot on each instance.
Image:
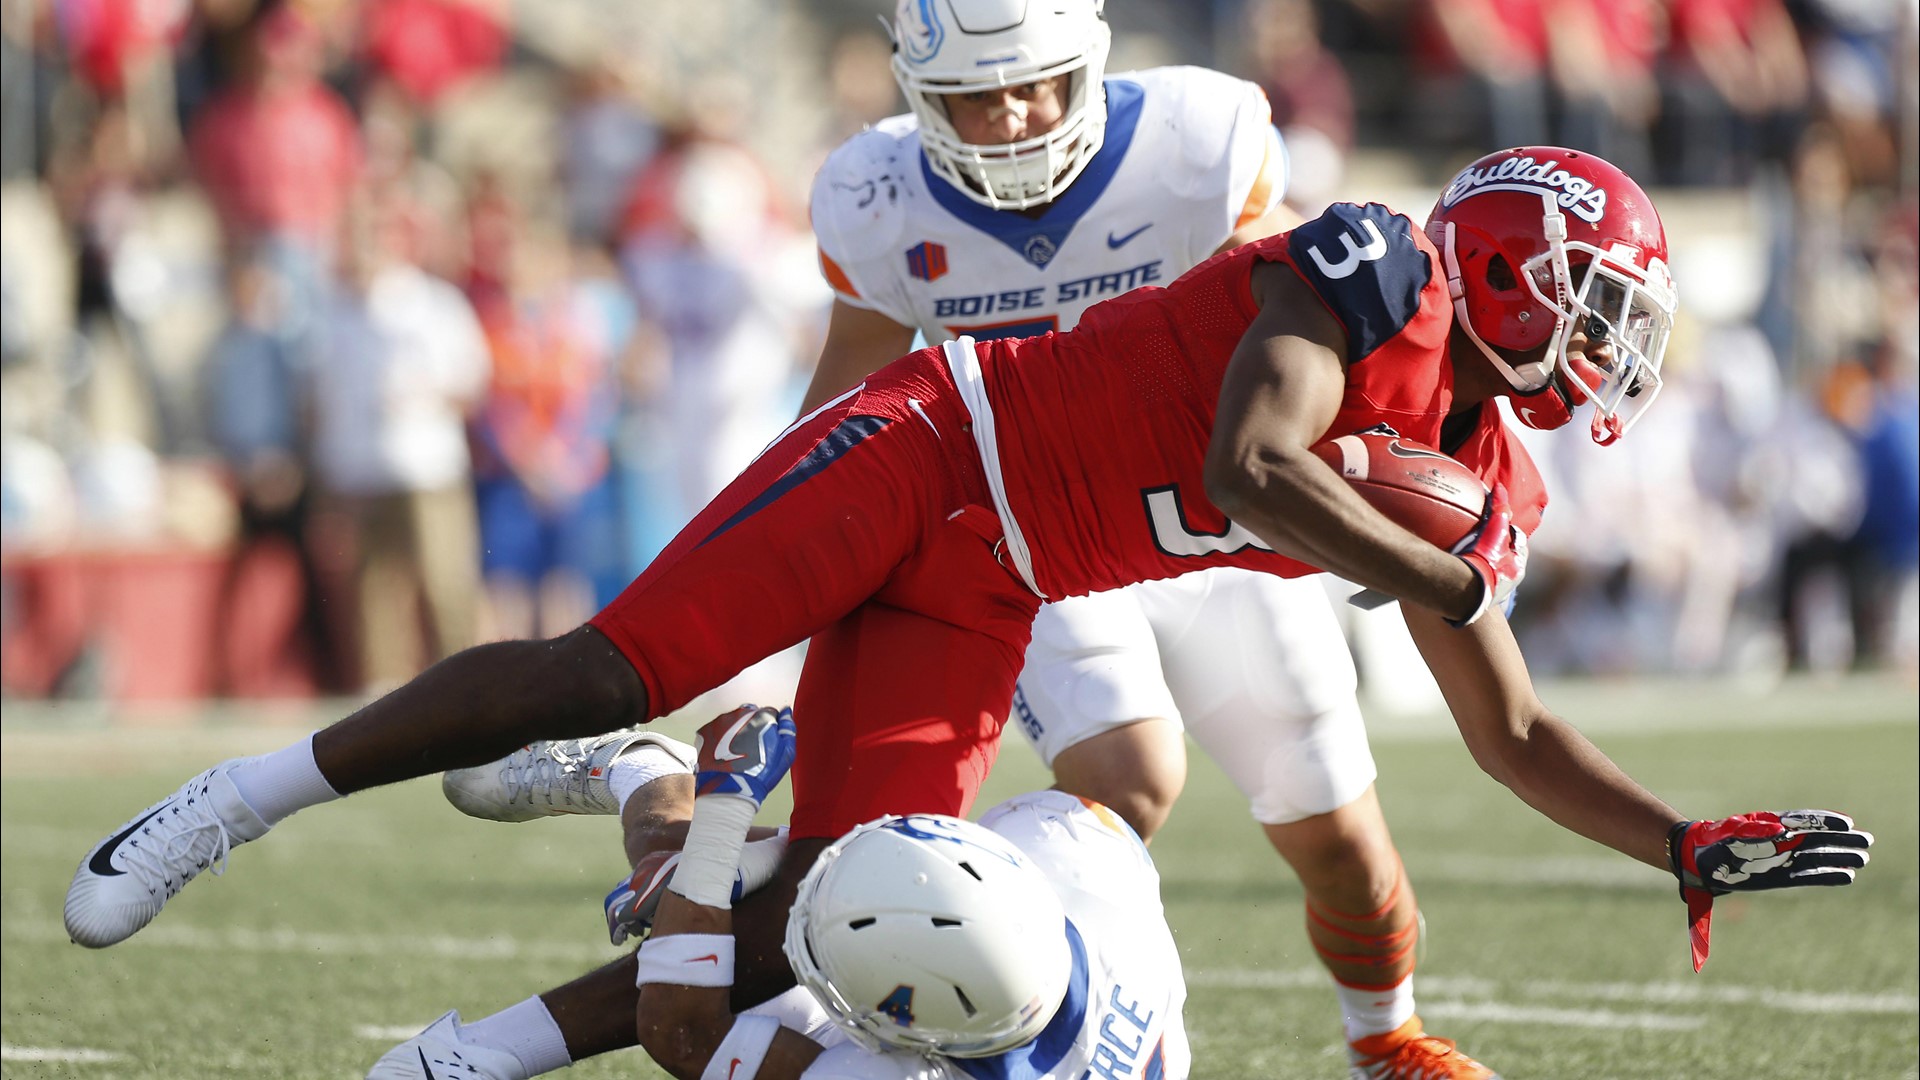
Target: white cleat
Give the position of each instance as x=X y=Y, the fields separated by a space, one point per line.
x=128 y=877
x=547 y=779
x=439 y=1054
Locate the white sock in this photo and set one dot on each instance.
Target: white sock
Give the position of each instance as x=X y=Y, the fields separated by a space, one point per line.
x=277 y=784
x=1374 y=1012
x=527 y=1031
x=639 y=767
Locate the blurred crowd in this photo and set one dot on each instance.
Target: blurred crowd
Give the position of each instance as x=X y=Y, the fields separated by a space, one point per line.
x=389 y=326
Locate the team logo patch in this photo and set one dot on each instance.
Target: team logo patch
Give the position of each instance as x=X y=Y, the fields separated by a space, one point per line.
x=1039 y=250
x=920 y=33
x=927 y=260
x=1575 y=194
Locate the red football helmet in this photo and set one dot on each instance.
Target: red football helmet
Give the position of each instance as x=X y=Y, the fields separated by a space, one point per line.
x=1542 y=244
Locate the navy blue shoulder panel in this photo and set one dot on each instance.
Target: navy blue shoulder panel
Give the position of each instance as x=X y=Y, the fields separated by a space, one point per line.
x=1367 y=268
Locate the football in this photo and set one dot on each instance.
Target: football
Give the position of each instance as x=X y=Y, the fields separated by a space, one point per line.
x=1421 y=489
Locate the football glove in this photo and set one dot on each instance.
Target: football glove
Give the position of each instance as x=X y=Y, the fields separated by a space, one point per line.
x=744 y=753
x=1755 y=851
x=1496 y=552
x=634 y=900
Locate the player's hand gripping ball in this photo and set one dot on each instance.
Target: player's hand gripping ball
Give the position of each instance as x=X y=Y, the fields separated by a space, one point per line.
x=1418 y=488
x=744 y=753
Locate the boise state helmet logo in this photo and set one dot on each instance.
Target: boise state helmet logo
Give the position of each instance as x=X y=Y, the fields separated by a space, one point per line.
x=927 y=260
x=920 y=34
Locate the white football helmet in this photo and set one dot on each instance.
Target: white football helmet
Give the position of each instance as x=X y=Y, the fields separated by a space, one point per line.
x=963 y=46
x=931 y=934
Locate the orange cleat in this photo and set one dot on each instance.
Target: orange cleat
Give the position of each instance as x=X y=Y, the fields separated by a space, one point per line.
x=1409 y=1053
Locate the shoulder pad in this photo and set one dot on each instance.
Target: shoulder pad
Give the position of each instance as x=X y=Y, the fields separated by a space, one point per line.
x=1211 y=112
x=1368 y=268
x=859 y=194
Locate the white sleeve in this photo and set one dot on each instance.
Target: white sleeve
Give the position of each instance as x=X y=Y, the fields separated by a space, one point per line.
x=1233 y=156
x=857 y=214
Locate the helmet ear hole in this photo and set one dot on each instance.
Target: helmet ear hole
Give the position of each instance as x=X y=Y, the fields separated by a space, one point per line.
x=1500 y=274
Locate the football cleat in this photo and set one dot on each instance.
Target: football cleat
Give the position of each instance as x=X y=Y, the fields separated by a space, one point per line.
x=1409 y=1053
x=547 y=779
x=439 y=1054
x=128 y=877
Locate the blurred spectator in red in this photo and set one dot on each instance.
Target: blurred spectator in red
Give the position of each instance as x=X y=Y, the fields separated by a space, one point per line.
x=1481 y=72
x=427 y=47
x=278 y=151
x=257 y=414
x=548 y=522
x=1311 y=97
x=1602 y=54
x=1736 y=89
x=400 y=362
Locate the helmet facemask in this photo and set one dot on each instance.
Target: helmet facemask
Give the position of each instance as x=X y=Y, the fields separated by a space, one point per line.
x=1033 y=171
x=1624 y=312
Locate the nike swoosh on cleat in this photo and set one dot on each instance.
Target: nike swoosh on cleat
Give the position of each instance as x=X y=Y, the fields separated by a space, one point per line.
x=425 y=1066
x=102 y=861
x=1121 y=241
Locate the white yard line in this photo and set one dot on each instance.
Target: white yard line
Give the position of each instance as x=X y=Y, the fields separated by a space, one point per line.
x=76 y=1054
x=390 y=1032
x=1502 y=1013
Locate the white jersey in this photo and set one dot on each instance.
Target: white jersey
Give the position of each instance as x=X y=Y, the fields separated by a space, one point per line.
x=1159 y=197
x=1122 y=1015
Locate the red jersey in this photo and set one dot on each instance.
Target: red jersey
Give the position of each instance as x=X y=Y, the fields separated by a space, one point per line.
x=1102 y=432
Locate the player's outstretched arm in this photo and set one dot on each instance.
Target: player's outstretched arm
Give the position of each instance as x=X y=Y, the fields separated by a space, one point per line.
x=1550 y=765
x=859 y=343
x=686 y=968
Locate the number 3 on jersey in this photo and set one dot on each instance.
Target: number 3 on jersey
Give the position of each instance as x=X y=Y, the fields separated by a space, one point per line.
x=1366 y=266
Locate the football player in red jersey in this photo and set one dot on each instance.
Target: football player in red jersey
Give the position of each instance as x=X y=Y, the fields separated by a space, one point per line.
x=913 y=525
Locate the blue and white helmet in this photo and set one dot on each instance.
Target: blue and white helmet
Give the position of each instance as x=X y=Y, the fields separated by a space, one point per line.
x=931 y=934
x=964 y=46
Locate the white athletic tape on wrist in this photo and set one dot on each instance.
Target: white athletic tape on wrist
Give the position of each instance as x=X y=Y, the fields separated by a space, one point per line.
x=686 y=960
x=711 y=857
x=740 y=1054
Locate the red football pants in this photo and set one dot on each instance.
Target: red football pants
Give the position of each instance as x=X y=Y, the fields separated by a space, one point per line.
x=867 y=528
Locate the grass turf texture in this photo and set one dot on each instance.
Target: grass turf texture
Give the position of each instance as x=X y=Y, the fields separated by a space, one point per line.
x=1547 y=956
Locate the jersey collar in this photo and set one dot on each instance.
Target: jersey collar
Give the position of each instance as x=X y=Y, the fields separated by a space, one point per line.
x=1038 y=239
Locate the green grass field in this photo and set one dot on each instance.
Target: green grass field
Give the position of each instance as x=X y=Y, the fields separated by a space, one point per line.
x=355 y=924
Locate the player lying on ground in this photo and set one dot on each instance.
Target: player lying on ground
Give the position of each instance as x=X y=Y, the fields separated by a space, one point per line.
x=1023 y=187
x=913 y=526
x=1032 y=944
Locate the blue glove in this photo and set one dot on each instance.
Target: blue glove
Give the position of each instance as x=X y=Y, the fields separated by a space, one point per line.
x=745 y=753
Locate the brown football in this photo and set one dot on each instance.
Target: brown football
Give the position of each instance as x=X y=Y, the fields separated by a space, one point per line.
x=1421 y=489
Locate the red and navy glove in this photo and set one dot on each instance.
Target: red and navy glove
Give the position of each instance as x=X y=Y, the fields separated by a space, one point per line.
x=744 y=753
x=1762 y=850
x=1497 y=554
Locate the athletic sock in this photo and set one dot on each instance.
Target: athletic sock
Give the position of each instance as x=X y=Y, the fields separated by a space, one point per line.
x=640 y=766
x=275 y=785
x=527 y=1031
x=1374 y=1012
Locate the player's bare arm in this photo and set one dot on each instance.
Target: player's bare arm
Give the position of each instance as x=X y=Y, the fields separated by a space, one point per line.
x=1281 y=218
x=859 y=343
x=1517 y=741
x=1282 y=389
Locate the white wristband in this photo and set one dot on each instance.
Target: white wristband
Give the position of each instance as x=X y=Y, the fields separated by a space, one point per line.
x=686 y=960
x=740 y=1054
x=710 y=860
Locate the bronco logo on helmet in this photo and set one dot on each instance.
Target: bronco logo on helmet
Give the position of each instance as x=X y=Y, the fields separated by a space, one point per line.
x=920 y=32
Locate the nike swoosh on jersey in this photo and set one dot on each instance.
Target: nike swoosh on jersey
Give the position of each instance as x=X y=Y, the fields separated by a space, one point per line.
x=102 y=861
x=1117 y=242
